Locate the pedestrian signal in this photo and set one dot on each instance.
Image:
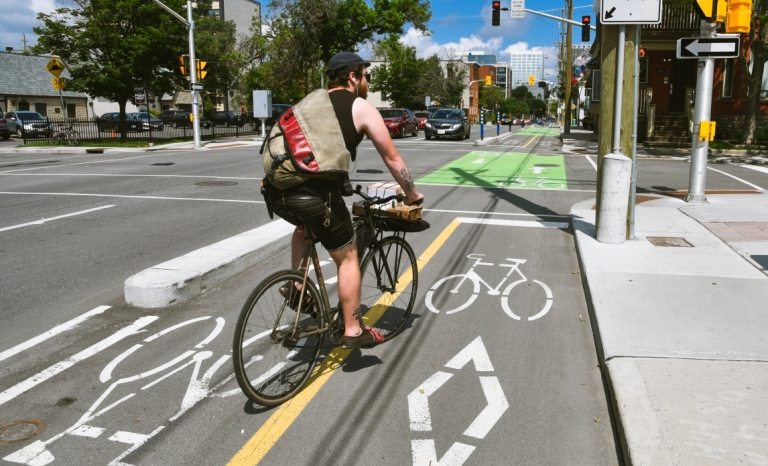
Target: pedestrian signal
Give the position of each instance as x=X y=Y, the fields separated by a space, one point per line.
x=642 y=52
x=739 y=16
x=488 y=80
x=201 y=69
x=531 y=80
x=496 y=13
x=585 y=22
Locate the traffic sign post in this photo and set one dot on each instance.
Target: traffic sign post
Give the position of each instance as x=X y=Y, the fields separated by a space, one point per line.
x=482 y=123
x=722 y=46
x=196 y=87
x=56 y=67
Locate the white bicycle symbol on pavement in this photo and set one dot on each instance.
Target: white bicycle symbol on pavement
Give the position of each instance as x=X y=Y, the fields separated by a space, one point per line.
x=539 y=183
x=471 y=275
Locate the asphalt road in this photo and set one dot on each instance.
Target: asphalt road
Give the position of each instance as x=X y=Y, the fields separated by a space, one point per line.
x=144 y=386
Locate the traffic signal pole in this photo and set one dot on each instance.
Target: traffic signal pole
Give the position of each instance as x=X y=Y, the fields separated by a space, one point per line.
x=189 y=22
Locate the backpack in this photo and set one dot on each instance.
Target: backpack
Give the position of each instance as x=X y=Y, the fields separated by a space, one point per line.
x=305 y=144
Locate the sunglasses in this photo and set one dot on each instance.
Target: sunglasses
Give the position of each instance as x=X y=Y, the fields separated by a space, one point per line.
x=367 y=77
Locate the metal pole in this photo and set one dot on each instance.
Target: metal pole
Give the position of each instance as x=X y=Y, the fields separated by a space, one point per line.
x=562 y=20
x=700 y=150
x=619 y=90
x=193 y=76
x=633 y=183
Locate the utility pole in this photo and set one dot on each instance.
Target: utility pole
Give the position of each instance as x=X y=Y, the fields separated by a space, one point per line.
x=568 y=61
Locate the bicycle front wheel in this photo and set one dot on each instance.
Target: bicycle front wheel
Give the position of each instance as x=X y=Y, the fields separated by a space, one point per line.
x=275 y=347
x=390 y=280
x=73 y=138
x=56 y=139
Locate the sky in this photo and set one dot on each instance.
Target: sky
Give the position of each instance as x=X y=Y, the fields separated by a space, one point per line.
x=456 y=25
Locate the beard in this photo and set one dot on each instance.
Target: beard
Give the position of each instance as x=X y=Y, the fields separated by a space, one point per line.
x=362 y=90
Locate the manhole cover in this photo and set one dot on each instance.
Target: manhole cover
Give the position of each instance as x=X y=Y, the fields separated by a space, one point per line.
x=215 y=183
x=669 y=241
x=545 y=165
x=163 y=164
x=19 y=431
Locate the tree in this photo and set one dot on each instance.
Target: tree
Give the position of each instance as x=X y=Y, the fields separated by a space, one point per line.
x=112 y=47
x=758 y=44
x=490 y=97
x=538 y=107
x=215 y=44
x=522 y=92
x=455 y=82
x=514 y=107
x=398 y=78
x=305 y=34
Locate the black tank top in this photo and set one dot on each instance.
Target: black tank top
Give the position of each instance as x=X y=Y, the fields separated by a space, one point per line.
x=342 y=101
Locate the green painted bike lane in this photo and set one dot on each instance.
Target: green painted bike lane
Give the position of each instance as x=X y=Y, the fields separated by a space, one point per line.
x=502 y=170
x=538 y=131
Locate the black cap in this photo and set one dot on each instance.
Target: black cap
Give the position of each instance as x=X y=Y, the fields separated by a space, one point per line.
x=345 y=61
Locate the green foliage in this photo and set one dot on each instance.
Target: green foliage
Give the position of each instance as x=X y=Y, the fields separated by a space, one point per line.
x=215 y=42
x=538 y=107
x=490 y=97
x=454 y=83
x=514 y=107
x=762 y=134
x=521 y=92
x=112 y=47
x=265 y=77
x=398 y=79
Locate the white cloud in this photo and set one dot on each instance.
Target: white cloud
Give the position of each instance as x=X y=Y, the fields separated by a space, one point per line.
x=426 y=46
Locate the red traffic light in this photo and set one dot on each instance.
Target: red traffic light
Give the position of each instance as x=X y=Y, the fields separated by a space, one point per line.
x=586 y=19
x=496 y=5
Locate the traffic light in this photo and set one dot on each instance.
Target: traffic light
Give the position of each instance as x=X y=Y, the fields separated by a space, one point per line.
x=496 y=13
x=642 y=52
x=707 y=9
x=488 y=80
x=531 y=80
x=739 y=16
x=183 y=66
x=585 y=22
x=201 y=69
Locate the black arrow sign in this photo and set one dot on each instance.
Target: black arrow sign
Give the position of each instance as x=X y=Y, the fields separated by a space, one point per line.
x=703 y=47
x=609 y=13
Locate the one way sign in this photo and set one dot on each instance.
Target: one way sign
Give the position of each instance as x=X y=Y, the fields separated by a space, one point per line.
x=709 y=47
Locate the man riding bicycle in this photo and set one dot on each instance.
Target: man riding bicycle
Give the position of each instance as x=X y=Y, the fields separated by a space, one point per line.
x=318 y=203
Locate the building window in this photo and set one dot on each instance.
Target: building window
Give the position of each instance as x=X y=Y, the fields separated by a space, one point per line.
x=596 y=86
x=71 y=110
x=728 y=78
x=644 y=70
x=41 y=108
x=23 y=105
x=764 y=86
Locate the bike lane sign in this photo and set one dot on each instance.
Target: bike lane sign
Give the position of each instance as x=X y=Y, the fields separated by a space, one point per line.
x=423 y=449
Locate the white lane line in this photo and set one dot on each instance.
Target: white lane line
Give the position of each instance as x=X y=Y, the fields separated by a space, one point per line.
x=122 y=196
x=752 y=167
x=493 y=213
x=52 y=332
x=44 y=220
x=508 y=189
x=59 y=367
x=135 y=176
x=737 y=179
x=594 y=165
x=91 y=161
x=512 y=223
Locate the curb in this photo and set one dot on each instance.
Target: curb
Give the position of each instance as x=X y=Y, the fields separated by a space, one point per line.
x=190 y=275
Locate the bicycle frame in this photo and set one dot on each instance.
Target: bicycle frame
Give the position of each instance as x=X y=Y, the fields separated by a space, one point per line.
x=472 y=275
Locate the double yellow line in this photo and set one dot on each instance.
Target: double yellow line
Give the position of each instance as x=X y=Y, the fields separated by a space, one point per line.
x=269 y=433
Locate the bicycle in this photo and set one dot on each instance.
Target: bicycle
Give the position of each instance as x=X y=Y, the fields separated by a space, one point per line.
x=69 y=133
x=539 y=183
x=278 y=337
x=476 y=280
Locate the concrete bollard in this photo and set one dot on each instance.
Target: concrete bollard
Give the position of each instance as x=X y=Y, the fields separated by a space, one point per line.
x=614 y=199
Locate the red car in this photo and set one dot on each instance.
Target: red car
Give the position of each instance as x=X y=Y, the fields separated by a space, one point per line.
x=422 y=117
x=400 y=121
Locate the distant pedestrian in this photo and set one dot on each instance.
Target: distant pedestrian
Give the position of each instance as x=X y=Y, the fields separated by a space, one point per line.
x=522 y=122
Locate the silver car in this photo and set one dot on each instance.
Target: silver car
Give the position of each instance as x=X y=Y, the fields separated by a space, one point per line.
x=28 y=122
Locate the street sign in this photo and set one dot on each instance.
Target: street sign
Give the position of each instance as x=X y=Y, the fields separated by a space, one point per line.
x=709 y=47
x=518 y=9
x=55 y=67
x=197 y=87
x=630 y=12
x=58 y=84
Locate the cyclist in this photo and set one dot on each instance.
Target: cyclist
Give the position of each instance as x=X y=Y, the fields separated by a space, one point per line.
x=306 y=204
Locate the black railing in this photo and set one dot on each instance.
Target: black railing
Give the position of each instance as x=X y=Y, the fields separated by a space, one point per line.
x=98 y=130
x=677 y=18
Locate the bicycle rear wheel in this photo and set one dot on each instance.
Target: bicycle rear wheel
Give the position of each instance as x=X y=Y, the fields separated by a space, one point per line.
x=56 y=139
x=73 y=138
x=275 y=348
x=390 y=280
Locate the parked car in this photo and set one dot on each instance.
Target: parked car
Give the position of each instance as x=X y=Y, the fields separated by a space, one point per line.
x=111 y=122
x=145 y=121
x=422 y=116
x=178 y=118
x=400 y=121
x=227 y=119
x=507 y=120
x=448 y=123
x=5 y=133
x=28 y=122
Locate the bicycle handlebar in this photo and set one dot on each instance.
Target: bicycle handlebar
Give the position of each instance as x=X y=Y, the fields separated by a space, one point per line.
x=370 y=200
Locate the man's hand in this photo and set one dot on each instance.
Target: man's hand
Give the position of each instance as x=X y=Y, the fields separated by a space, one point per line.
x=414 y=198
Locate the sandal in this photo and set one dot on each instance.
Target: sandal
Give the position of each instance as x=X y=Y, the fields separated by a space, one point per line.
x=293 y=297
x=368 y=338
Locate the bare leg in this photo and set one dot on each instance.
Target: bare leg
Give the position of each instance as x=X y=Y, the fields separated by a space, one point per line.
x=298 y=246
x=348 y=287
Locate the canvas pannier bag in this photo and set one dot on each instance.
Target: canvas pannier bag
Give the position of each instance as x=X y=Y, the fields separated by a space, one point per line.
x=305 y=144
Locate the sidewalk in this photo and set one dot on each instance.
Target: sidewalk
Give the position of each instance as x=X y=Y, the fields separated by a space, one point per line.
x=680 y=316
x=219 y=143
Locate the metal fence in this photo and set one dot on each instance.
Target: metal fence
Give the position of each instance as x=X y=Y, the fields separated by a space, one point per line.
x=97 y=130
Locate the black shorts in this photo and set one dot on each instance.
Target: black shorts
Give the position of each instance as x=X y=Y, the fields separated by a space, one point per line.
x=306 y=206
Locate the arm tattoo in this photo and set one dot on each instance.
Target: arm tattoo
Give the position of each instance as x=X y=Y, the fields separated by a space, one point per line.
x=407 y=179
